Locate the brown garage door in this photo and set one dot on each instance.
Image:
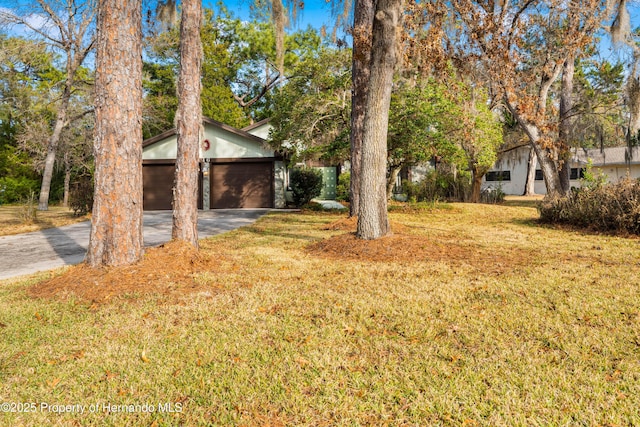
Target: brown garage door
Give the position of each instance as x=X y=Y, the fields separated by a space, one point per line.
x=157 y=190
x=157 y=183
x=242 y=185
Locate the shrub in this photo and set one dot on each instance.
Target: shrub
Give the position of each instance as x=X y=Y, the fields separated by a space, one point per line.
x=306 y=183
x=610 y=207
x=492 y=195
x=437 y=186
x=81 y=197
x=16 y=189
x=343 y=187
x=28 y=212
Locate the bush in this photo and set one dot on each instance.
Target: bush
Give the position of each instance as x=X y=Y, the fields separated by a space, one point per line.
x=437 y=187
x=492 y=195
x=16 y=189
x=343 y=187
x=28 y=212
x=81 y=197
x=306 y=183
x=609 y=208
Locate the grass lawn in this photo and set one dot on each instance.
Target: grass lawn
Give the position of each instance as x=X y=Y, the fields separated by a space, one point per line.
x=470 y=315
x=12 y=219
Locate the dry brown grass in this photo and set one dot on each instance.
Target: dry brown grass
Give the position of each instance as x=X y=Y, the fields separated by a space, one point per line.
x=466 y=316
x=12 y=222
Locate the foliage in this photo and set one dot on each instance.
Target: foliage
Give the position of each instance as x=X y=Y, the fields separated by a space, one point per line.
x=14 y=189
x=29 y=209
x=311 y=113
x=492 y=195
x=591 y=178
x=306 y=183
x=438 y=186
x=611 y=207
x=343 y=186
x=81 y=196
x=238 y=74
x=598 y=118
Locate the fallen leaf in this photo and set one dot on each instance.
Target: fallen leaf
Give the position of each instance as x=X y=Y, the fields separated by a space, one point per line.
x=53 y=383
x=143 y=356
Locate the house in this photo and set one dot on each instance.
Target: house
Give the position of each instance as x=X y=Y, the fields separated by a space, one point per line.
x=510 y=171
x=237 y=169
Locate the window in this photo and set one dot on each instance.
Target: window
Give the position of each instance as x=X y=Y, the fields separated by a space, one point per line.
x=539 y=175
x=576 y=173
x=498 y=176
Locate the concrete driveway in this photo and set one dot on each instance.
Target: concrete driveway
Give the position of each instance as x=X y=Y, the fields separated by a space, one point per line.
x=55 y=247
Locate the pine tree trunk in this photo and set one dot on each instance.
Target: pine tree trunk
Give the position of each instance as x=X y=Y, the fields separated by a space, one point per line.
x=373 y=221
x=564 y=132
x=188 y=125
x=116 y=226
x=362 y=24
x=530 y=183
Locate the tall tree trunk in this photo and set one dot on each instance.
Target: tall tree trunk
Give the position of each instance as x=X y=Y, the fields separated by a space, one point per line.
x=188 y=125
x=373 y=220
x=393 y=178
x=67 y=180
x=476 y=184
x=52 y=147
x=360 y=71
x=530 y=183
x=564 y=132
x=116 y=225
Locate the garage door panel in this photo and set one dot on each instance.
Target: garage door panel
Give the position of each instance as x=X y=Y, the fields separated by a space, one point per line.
x=242 y=185
x=157 y=184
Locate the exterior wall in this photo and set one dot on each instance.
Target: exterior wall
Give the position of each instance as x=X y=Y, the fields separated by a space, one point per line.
x=516 y=162
x=261 y=131
x=279 y=185
x=167 y=149
x=227 y=145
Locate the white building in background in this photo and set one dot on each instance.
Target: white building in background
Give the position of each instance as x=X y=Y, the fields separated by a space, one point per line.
x=510 y=172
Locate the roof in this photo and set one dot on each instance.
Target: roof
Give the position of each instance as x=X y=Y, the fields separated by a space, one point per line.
x=256 y=124
x=205 y=120
x=608 y=156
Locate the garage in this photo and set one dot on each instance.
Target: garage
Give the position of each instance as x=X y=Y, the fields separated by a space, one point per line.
x=157 y=185
x=238 y=169
x=157 y=182
x=242 y=185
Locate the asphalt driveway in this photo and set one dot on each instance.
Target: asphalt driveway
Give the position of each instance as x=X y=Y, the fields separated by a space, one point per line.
x=55 y=247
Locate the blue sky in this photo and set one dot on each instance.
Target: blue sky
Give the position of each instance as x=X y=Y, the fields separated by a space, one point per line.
x=315 y=13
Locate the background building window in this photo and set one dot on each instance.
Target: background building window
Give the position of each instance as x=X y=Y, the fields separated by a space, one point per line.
x=498 y=176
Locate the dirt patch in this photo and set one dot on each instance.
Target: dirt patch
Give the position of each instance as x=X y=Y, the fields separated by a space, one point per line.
x=404 y=247
x=167 y=270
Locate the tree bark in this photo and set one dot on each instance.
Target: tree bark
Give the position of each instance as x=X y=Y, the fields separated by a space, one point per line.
x=373 y=221
x=188 y=126
x=360 y=71
x=52 y=148
x=67 y=180
x=476 y=185
x=530 y=183
x=116 y=225
x=564 y=131
x=393 y=178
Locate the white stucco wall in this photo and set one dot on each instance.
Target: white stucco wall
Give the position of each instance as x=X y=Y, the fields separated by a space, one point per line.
x=166 y=149
x=516 y=162
x=224 y=144
x=261 y=131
